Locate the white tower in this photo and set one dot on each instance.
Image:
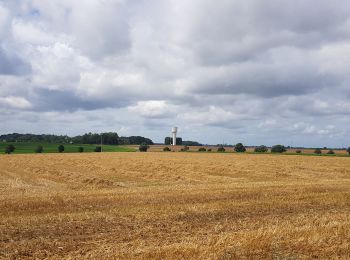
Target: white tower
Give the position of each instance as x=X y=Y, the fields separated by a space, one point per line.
x=174 y=132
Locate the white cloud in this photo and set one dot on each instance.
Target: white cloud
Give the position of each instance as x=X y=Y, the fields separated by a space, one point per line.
x=154 y=109
x=213 y=116
x=56 y=66
x=309 y=129
x=269 y=123
x=4 y=20
x=29 y=33
x=15 y=102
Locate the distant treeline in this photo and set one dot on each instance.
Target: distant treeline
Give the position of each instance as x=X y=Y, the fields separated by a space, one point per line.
x=191 y=143
x=34 y=138
x=135 y=140
x=110 y=138
x=169 y=141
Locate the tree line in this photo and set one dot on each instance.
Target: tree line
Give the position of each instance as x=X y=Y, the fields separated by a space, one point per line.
x=15 y=137
x=110 y=138
x=169 y=140
x=179 y=141
x=240 y=148
x=40 y=149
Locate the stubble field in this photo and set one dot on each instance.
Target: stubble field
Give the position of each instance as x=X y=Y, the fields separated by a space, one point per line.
x=174 y=205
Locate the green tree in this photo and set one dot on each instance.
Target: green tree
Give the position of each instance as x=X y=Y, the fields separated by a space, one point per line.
x=239 y=148
x=278 y=149
x=143 y=147
x=81 y=149
x=178 y=141
x=39 y=149
x=261 y=149
x=98 y=149
x=109 y=138
x=191 y=143
x=348 y=150
x=139 y=140
x=60 y=148
x=15 y=137
x=123 y=140
x=166 y=149
x=10 y=149
x=167 y=141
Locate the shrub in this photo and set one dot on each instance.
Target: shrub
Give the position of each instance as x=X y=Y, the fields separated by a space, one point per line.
x=239 y=148
x=10 y=149
x=221 y=149
x=166 y=149
x=185 y=149
x=143 y=147
x=98 y=149
x=261 y=149
x=39 y=149
x=60 y=148
x=348 y=150
x=278 y=149
x=81 y=149
x=298 y=151
x=202 y=149
x=318 y=151
x=209 y=150
x=330 y=152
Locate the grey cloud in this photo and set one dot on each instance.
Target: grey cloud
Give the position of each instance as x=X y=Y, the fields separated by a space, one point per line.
x=216 y=69
x=99 y=28
x=57 y=100
x=278 y=72
x=102 y=29
x=11 y=64
x=240 y=30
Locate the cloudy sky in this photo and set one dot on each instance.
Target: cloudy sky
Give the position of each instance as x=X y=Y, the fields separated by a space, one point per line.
x=252 y=71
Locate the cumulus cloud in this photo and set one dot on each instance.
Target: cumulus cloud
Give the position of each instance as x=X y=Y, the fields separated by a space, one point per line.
x=249 y=70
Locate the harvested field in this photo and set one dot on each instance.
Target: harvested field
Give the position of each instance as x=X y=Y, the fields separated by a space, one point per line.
x=174 y=205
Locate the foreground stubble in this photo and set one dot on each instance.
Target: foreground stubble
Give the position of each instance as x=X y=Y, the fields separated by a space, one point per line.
x=174 y=205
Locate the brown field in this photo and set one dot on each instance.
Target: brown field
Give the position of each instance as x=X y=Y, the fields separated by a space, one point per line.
x=174 y=205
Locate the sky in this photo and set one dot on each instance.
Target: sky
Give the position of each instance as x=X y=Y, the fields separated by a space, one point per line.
x=258 y=72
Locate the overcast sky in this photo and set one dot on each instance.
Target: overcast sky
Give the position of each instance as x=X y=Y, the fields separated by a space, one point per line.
x=252 y=71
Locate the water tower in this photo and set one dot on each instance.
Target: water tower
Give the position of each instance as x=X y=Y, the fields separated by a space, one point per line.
x=174 y=133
